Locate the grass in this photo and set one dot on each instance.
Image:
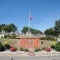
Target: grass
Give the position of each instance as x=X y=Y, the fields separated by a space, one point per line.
x=47 y=43
x=11 y=41
x=14 y=41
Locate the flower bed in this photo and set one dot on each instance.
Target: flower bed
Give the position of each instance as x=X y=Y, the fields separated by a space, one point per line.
x=13 y=49
x=48 y=49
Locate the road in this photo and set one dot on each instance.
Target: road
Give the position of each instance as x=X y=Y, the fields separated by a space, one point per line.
x=29 y=58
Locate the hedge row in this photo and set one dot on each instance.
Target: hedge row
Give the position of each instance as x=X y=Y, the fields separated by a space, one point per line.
x=49 y=38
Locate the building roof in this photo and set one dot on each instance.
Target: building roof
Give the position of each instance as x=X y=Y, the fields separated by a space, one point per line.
x=29 y=36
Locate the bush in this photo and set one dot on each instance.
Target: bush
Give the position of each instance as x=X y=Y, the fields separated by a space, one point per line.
x=7 y=36
x=13 y=49
x=48 y=49
x=53 y=45
x=21 y=49
x=43 y=48
x=13 y=36
x=6 y=44
x=37 y=49
x=26 y=50
x=43 y=38
x=57 y=47
x=2 y=37
x=2 y=48
x=49 y=38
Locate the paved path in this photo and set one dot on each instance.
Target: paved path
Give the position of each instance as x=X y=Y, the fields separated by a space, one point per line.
x=30 y=58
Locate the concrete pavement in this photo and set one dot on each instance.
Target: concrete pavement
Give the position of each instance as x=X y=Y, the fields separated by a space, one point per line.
x=22 y=53
x=30 y=58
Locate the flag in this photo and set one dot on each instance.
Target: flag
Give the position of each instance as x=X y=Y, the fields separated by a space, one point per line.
x=30 y=17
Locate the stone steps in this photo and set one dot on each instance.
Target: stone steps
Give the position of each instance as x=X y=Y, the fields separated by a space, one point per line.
x=31 y=52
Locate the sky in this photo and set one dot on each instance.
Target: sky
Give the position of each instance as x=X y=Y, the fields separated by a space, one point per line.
x=44 y=13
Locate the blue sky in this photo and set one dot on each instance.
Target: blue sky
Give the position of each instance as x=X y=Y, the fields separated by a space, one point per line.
x=44 y=13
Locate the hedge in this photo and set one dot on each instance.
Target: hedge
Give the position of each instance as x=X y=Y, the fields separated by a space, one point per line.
x=57 y=47
x=49 y=38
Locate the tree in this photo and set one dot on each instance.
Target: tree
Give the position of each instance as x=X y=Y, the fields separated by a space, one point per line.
x=24 y=30
x=57 y=28
x=12 y=27
x=33 y=31
x=2 y=48
x=49 y=32
x=57 y=47
x=8 y=28
x=0 y=28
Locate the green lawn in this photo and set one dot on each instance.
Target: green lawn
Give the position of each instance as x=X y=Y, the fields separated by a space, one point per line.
x=14 y=41
x=11 y=41
x=47 y=43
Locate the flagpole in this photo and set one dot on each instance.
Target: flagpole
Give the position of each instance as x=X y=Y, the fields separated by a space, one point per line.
x=29 y=23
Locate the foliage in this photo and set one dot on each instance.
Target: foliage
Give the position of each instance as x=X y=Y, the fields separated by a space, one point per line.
x=37 y=49
x=6 y=44
x=8 y=28
x=7 y=36
x=55 y=31
x=57 y=47
x=49 y=32
x=53 y=45
x=43 y=47
x=21 y=49
x=2 y=48
x=49 y=38
x=33 y=31
x=2 y=37
x=57 y=27
x=13 y=36
x=26 y=50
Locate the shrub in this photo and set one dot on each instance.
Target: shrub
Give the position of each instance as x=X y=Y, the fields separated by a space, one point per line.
x=2 y=48
x=53 y=45
x=13 y=36
x=57 y=47
x=2 y=37
x=7 y=36
x=6 y=44
x=37 y=49
x=48 y=49
x=43 y=38
x=26 y=50
x=13 y=49
x=49 y=38
x=21 y=49
x=43 y=48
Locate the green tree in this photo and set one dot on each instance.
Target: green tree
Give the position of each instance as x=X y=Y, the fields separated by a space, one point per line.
x=0 y=28
x=33 y=31
x=57 y=28
x=57 y=47
x=2 y=48
x=49 y=32
x=24 y=30
x=8 y=28
x=12 y=27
